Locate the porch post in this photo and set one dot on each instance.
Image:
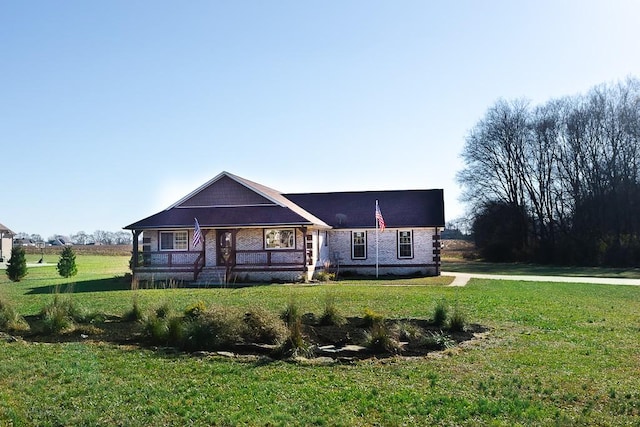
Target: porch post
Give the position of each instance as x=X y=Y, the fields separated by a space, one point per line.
x=135 y=260
x=305 y=261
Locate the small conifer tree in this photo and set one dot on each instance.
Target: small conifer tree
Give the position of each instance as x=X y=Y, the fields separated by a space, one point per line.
x=17 y=265
x=67 y=263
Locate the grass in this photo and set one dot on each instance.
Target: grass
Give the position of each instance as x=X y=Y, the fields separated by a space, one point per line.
x=557 y=354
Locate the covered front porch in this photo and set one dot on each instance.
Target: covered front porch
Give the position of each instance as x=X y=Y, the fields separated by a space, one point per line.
x=224 y=255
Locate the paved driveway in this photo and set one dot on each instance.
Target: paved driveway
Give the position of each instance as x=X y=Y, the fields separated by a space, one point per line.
x=461 y=279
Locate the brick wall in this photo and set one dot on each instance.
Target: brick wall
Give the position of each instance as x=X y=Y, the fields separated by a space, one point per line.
x=388 y=260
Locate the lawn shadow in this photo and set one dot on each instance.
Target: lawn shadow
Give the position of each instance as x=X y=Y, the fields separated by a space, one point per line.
x=98 y=285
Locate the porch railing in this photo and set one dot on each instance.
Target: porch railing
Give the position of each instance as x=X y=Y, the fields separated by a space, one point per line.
x=170 y=259
x=269 y=258
x=196 y=259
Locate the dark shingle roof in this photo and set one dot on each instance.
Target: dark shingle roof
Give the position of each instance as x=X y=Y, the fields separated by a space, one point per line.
x=400 y=208
x=225 y=201
x=243 y=216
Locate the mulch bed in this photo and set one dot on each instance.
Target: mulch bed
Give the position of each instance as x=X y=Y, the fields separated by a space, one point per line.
x=343 y=342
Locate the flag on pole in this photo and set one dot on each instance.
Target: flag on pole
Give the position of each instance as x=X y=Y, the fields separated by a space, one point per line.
x=379 y=218
x=197 y=234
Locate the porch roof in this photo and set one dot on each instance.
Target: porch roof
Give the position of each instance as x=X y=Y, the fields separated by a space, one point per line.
x=226 y=216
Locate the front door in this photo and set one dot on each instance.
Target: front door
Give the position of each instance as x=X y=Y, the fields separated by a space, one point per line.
x=226 y=250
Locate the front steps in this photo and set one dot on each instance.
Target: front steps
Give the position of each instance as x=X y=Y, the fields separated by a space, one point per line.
x=210 y=276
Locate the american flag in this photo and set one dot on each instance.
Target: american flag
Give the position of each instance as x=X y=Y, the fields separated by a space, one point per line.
x=197 y=234
x=379 y=217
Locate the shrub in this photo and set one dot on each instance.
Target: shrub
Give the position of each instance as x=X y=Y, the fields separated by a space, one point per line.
x=135 y=313
x=79 y=313
x=214 y=329
x=406 y=331
x=440 y=313
x=295 y=345
x=457 y=321
x=262 y=327
x=290 y=313
x=437 y=341
x=17 y=265
x=381 y=339
x=325 y=276
x=372 y=318
x=331 y=316
x=62 y=314
x=196 y=309
x=9 y=319
x=176 y=331
x=67 y=263
x=163 y=311
x=157 y=329
x=56 y=316
x=197 y=335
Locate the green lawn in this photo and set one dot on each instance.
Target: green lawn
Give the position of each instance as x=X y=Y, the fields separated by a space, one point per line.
x=556 y=354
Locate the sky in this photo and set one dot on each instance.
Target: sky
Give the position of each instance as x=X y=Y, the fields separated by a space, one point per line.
x=110 y=111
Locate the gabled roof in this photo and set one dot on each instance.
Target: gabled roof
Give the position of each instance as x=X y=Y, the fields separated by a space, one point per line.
x=231 y=201
x=4 y=229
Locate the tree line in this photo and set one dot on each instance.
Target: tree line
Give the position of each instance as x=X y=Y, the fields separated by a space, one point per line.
x=558 y=182
x=98 y=237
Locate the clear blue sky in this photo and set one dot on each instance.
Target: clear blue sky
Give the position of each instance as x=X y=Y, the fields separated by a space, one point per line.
x=112 y=110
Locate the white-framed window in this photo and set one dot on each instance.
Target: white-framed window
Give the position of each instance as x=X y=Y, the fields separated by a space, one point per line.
x=174 y=240
x=280 y=238
x=405 y=244
x=359 y=244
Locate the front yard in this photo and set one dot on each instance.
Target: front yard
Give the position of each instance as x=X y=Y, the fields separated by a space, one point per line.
x=555 y=354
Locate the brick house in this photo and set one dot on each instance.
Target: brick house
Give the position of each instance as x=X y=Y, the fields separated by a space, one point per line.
x=255 y=233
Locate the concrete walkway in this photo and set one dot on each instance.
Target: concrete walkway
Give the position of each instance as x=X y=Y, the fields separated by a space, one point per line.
x=3 y=265
x=461 y=279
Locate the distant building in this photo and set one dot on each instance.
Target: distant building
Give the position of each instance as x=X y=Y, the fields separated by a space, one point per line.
x=60 y=241
x=23 y=241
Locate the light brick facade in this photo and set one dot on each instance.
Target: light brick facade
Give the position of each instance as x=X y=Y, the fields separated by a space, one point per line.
x=340 y=249
x=256 y=233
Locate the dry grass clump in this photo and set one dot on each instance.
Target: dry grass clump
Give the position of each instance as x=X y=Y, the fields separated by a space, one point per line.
x=10 y=320
x=212 y=328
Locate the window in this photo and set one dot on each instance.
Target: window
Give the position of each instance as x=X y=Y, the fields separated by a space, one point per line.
x=405 y=244
x=358 y=245
x=280 y=239
x=173 y=240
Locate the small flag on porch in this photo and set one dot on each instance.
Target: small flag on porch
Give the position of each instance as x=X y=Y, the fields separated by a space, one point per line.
x=379 y=218
x=197 y=234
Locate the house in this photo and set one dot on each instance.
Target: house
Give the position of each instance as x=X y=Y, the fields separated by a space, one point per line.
x=6 y=243
x=24 y=241
x=254 y=233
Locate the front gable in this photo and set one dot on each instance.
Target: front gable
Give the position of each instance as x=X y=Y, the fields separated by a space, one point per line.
x=230 y=201
x=223 y=191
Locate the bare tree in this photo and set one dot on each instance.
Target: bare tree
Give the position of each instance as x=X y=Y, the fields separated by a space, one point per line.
x=571 y=166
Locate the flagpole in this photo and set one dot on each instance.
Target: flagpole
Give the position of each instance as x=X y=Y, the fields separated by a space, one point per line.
x=377 y=239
